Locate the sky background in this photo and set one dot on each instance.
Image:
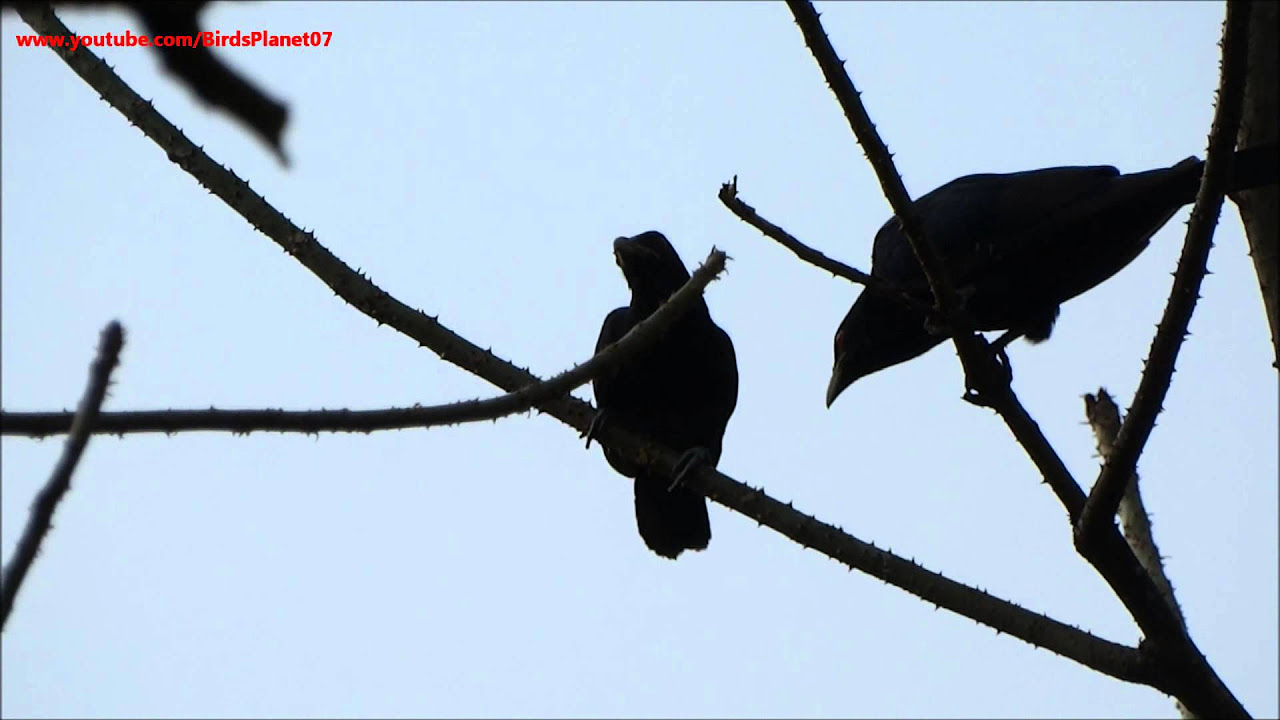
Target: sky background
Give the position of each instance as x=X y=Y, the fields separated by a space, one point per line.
x=476 y=161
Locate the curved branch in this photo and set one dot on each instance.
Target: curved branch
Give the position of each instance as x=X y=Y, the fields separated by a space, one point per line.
x=729 y=198
x=1104 y=419
x=60 y=482
x=40 y=424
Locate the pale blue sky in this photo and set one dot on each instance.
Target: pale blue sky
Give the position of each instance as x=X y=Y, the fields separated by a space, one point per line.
x=476 y=161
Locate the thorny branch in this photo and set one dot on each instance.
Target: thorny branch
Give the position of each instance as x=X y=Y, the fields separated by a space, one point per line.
x=40 y=424
x=51 y=494
x=729 y=198
x=1104 y=418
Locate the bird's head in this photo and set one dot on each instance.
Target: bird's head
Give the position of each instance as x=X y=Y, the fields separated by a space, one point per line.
x=876 y=333
x=652 y=267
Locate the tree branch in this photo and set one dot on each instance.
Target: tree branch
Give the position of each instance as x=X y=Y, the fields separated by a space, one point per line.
x=645 y=333
x=1259 y=125
x=729 y=198
x=1104 y=418
x=1100 y=510
x=1104 y=656
x=51 y=494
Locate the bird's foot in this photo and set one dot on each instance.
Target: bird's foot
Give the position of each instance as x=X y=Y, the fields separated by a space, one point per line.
x=1002 y=358
x=938 y=323
x=689 y=461
x=983 y=384
x=1003 y=341
x=597 y=423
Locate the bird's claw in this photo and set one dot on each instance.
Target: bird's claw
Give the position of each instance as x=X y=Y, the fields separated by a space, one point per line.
x=979 y=393
x=597 y=423
x=690 y=460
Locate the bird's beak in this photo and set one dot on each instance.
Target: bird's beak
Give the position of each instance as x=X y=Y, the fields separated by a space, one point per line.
x=839 y=380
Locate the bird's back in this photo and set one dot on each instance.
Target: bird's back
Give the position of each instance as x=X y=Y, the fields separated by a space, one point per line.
x=1025 y=242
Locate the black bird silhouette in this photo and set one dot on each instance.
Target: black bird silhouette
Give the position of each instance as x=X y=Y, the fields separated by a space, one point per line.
x=680 y=392
x=1017 y=246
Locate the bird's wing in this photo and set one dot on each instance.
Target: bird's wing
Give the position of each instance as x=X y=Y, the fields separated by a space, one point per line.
x=724 y=378
x=616 y=324
x=975 y=220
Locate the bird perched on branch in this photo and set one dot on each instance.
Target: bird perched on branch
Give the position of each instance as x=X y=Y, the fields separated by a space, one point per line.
x=679 y=392
x=1016 y=246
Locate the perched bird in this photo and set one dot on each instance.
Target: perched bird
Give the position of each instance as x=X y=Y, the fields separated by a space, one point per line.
x=680 y=392
x=1016 y=247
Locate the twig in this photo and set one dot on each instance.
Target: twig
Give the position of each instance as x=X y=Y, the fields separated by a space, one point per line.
x=51 y=494
x=1100 y=509
x=1104 y=418
x=729 y=198
x=41 y=424
x=1104 y=656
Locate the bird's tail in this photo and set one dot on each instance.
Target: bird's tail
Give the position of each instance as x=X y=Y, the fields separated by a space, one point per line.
x=670 y=521
x=1256 y=166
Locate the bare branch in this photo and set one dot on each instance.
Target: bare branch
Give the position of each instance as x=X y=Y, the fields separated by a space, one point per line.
x=1039 y=630
x=1259 y=125
x=1100 y=509
x=1104 y=417
x=1107 y=657
x=729 y=198
x=639 y=337
x=51 y=494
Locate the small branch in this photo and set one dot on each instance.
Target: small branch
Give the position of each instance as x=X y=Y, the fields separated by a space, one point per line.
x=1104 y=419
x=729 y=198
x=1100 y=509
x=51 y=494
x=314 y=421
